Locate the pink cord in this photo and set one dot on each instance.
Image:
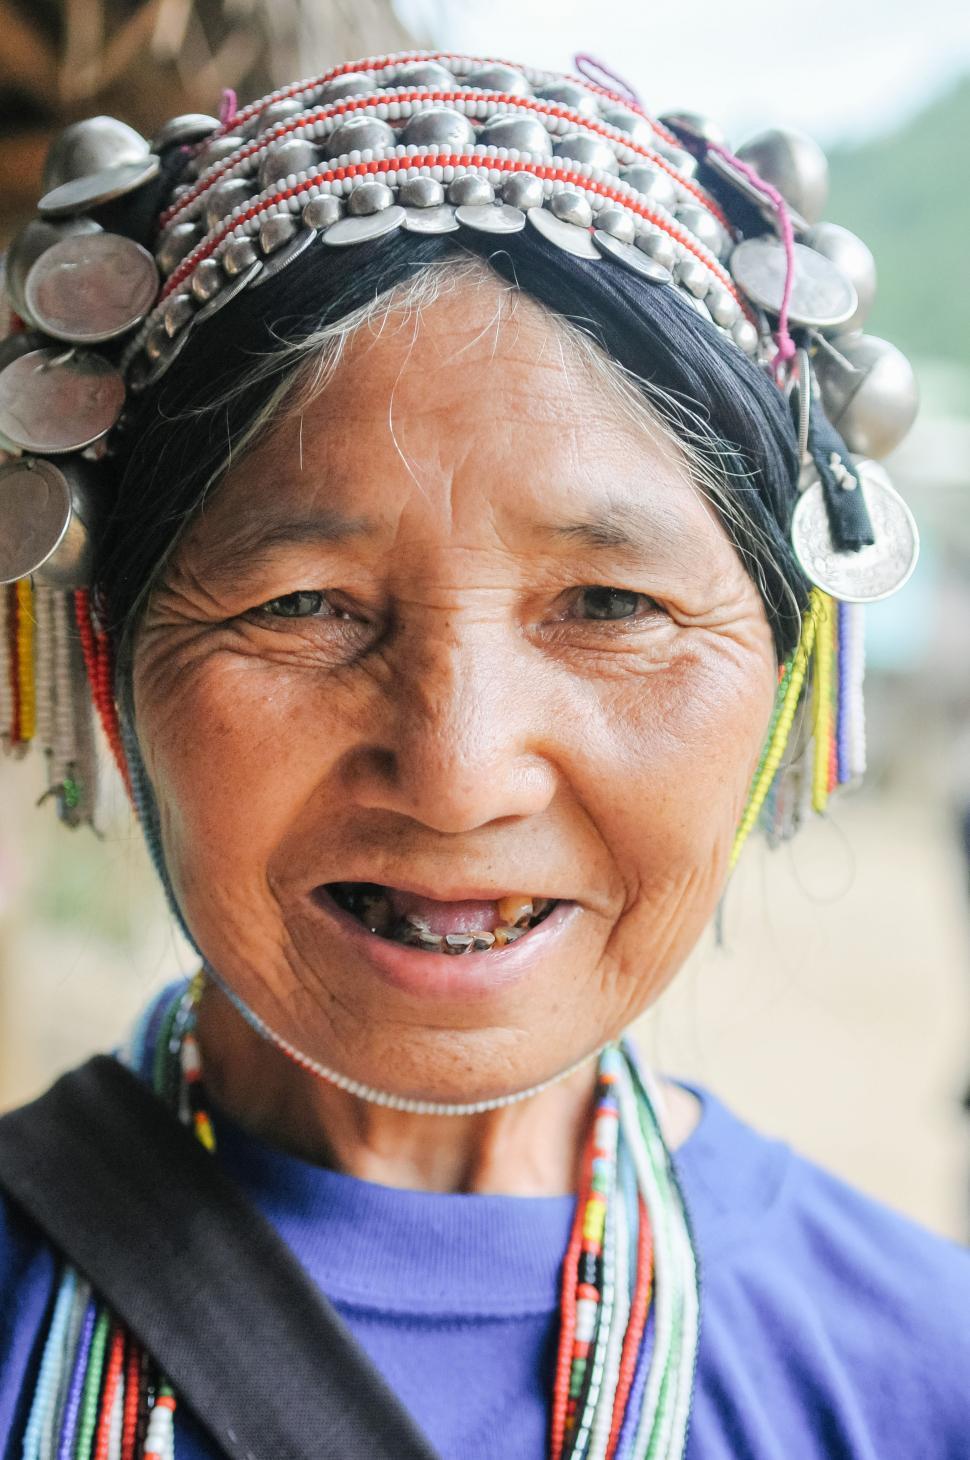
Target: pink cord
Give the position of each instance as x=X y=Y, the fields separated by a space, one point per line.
x=592 y=70
x=228 y=107
x=784 y=341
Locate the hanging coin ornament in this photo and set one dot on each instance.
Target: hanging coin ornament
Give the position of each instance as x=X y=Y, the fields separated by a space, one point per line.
x=855 y=260
x=440 y=219
x=56 y=400
x=83 y=193
x=821 y=296
x=365 y=227
x=873 y=572
x=91 y=287
x=26 y=248
x=90 y=146
x=35 y=510
x=571 y=237
x=630 y=257
x=184 y=131
x=491 y=218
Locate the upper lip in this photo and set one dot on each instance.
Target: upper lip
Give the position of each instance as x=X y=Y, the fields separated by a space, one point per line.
x=465 y=892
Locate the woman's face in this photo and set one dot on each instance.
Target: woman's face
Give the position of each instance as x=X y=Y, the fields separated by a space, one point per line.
x=458 y=632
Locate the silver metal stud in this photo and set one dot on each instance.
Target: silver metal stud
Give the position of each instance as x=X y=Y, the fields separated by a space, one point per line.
x=655 y=185
x=724 y=308
x=745 y=336
x=275 y=230
x=368 y=198
x=618 y=223
x=424 y=73
x=637 y=128
x=282 y=159
x=323 y=211
x=184 y=131
x=572 y=207
x=351 y=83
x=230 y=289
x=421 y=192
x=633 y=259
x=439 y=125
x=525 y=134
x=178 y=240
x=498 y=77
x=359 y=134
x=177 y=310
x=523 y=190
x=685 y=162
x=568 y=236
x=283 y=110
x=207 y=279
x=570 y=94
x=581 y=147
x=693 y=129
x=705 y=228
x=472 y=188
x=222 y=198
x=90 y=146
x=215 y=151
x=238 y=255
x=276 y=262
x=692 y=275
x=658 y=245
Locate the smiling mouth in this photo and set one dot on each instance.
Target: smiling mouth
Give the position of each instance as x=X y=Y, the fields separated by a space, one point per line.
x=439 y=927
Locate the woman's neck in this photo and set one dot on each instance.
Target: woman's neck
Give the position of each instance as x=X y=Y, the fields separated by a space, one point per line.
x=532 y=1148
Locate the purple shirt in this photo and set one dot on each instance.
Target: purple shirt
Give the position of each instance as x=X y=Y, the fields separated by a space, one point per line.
x=831 y=1327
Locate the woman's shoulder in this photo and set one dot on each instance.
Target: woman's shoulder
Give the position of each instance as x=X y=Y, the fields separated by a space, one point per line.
x=28 y=1268
x=860 y=1309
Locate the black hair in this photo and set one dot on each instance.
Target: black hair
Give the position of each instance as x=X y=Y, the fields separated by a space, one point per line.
x=180 y=433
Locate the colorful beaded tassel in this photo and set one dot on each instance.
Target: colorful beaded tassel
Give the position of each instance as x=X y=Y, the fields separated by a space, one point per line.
x=623 y=1384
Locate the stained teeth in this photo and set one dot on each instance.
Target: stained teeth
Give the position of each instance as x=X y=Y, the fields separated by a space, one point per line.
x=483 y=941
x=514 y=909
x=458 y=942
x=417 y=921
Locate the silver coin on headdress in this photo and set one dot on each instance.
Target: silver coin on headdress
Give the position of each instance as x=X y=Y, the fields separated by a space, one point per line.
x=46 y=512
x=184 y=130
x=234 y=285
x=59 y=400
x=439 y=219
x=630 y=257
x=284 y=255
x=89 y=146
x=873 y=572
x=821 y=297
x=570 y=237
x=362 y=230
x=81 y=194
x=91 y=287
x=491 y=218
x=26 y=247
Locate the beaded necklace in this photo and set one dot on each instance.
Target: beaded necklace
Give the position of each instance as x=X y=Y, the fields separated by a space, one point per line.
x=629 y=1306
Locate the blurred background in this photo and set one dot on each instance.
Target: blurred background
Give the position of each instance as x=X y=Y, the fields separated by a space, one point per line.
x=836 y=1012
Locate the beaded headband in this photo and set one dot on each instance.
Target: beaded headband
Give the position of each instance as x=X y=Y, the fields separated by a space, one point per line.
x=432 y=144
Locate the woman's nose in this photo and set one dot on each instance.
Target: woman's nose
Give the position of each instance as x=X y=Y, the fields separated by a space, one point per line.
x=459 y=741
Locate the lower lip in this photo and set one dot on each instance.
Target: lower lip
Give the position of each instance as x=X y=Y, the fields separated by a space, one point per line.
x=449 y=975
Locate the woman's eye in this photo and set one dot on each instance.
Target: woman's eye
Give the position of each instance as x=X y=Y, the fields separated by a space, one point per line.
x=302 y=604
x=611 y=603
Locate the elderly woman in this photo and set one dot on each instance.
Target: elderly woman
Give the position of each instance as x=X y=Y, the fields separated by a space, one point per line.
x=464 y=559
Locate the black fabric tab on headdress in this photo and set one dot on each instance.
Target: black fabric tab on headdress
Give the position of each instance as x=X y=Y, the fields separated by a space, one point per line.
x=845 y=502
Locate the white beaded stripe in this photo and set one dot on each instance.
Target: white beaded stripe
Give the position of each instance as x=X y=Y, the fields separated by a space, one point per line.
x=317 y=124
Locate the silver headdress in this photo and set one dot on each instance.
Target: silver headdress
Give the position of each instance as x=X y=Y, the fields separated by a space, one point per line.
x=429 y=143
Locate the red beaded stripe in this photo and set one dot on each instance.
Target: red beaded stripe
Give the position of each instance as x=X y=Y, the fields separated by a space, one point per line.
x=567 y=1327
x=129 y=1423
x=396 y=164
x=109 y=1392
x=96 y=649
x=635 y=1326
x=360 y=103
x=403 y=58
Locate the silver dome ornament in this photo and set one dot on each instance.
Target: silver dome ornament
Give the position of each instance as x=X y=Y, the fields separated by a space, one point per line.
x=440 y=218
x=745 y=336
x=175 y=244
x=653 y=183
x=421 y=192
x=873 y=572
x=184 y=131
x=323 y=211
x=851 y=255
x=573 y=207
x=706 y=229
x=150 y=372
x=581 y=147
x=368 y=198
x=692 y=275
x=82 y=194
x=351 y=83
x=637 y=128
x=524 y=134
x=91 y=146
x=91 y=288
x=869 y=392
x=724 y=308
x=46 y=512
x=658 y=246
x=218 y=150
x=232 y=285
x=285 y=157
x=491 y=218
x=275 y=230
x=56 y=400
x=359 y=134
x=283 y=110
x=222 y=198
x=424 y=73
x=569 y=94
x=440 y=125
x=694 y=131
x=570 y=237
x=472 y=189
x=498 y=77
x=822 y=297
x=685 y=162
x=283 y=255
x=792 y=163
x=618 y=223
x=238 y=255
x=362 y=230
x=207 y=280
x=177 y=311
x=523 y=190
x=631 y=258
x=26 y=247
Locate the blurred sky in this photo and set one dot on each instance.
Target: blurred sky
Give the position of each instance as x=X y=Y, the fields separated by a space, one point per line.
x=837 y=68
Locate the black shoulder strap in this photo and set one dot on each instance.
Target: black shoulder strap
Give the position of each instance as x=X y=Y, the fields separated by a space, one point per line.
x=199 y=1276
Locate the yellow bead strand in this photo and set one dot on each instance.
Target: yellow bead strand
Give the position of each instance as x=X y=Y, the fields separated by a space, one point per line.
x=822 y=707
x=25 y=659
x=776 y=749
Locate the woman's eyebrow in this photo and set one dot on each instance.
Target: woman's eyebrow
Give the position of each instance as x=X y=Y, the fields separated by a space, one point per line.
x=257 y=536
x=631 y=528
